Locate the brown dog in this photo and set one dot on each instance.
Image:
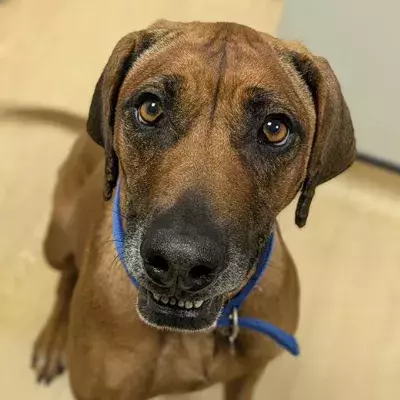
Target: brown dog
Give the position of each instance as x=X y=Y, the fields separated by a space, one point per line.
x=212 y=129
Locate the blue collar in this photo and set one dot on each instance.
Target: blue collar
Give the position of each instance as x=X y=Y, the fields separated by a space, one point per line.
x=229 y=316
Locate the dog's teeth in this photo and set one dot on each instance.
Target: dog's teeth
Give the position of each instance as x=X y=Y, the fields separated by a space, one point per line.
x=181 y=303
x=164 y=300
x=156 y=296
x=172 y=301
x=188 y=305
x=198 y=304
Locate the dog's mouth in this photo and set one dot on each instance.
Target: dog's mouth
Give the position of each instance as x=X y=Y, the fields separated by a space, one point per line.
x=176 y=314
x=174 y=303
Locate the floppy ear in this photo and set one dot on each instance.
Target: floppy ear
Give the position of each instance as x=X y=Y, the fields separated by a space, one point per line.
x=100 y=124
x=333 y=148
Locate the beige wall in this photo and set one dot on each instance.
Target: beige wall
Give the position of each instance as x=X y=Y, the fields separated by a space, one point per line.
x=76 y=37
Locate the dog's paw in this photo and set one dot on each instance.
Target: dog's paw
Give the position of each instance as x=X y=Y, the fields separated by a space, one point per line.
x=49 y=357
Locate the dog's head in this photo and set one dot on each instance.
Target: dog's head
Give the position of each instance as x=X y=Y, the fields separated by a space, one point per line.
x=213 y=129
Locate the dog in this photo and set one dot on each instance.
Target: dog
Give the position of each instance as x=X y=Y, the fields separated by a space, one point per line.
x=206 y=131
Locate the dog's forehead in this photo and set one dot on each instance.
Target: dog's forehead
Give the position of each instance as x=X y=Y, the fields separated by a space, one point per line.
x=211 y=49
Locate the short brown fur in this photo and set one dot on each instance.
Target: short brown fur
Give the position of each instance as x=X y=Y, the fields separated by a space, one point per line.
x=111 y=353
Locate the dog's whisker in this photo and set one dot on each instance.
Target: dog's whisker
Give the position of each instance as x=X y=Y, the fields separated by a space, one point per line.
x=118 y=211
x=111 y=241
x=115 y=261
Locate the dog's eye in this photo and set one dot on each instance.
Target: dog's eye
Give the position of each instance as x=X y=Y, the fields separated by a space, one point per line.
x=275 y=130
x=150 y=110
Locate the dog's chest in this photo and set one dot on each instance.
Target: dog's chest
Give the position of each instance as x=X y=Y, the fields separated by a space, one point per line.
x=188 y=362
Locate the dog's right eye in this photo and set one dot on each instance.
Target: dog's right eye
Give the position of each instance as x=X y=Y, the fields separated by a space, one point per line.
x=150 y=110
x=275 y=131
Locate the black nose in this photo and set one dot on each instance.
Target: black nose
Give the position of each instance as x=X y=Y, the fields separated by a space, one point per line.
x=190 y=262
x=188 y=254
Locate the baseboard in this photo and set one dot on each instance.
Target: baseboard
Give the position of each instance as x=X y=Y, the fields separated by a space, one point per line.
x=378 y=162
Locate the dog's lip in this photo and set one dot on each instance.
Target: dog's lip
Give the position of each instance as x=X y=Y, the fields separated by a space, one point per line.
x=145 y=285
x=178 y=318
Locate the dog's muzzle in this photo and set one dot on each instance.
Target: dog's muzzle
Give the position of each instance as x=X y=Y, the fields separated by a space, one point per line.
x=183 y=266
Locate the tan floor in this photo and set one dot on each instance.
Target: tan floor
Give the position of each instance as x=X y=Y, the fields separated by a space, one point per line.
x=51 y=53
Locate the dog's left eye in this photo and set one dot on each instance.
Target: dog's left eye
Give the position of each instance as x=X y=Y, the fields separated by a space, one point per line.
x=150 y=111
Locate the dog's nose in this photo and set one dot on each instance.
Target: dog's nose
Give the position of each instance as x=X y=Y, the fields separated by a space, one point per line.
x=183 y=247
x=190 y=262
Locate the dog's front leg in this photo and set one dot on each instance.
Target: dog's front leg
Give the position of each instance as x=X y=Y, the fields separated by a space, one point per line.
x=242 y=388
x=49 y=353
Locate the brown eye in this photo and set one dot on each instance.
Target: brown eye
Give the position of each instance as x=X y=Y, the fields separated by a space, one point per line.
x=150 y=111
x=276 y=131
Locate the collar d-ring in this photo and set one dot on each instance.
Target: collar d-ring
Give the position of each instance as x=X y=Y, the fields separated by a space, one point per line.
x=234 y=317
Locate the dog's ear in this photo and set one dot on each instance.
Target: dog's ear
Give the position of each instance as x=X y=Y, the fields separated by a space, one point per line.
x=333 y=148
x=100 y=124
